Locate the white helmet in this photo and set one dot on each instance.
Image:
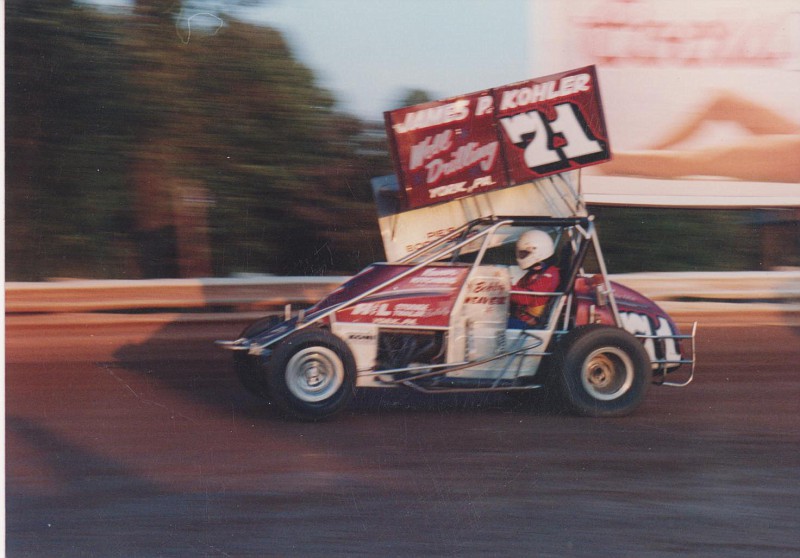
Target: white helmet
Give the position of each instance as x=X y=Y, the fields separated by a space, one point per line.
x=533 y=247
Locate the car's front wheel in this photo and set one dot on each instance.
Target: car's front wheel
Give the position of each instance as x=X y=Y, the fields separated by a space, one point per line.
x=604 y=371
x=311 y=374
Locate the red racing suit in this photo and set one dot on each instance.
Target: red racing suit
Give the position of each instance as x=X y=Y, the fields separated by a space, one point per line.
x=539 y=278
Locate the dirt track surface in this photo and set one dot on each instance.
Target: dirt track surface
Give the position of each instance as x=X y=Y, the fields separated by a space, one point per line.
x=133 y=439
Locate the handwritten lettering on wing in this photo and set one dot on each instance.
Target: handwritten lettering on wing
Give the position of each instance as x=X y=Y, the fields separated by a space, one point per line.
x=491 y=139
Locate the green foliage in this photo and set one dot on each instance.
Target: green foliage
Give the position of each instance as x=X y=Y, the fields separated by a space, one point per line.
x=65 y=131
x=415 y=97
x=658 y=239
x=111 y=116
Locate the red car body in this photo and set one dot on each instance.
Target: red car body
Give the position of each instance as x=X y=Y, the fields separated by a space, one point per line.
x=438 y=321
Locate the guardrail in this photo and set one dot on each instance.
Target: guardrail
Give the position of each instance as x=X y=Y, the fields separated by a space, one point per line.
x=259 y=293
x=273 y=293
x=768 y=286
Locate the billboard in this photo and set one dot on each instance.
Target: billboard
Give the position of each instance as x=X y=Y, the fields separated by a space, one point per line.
x=496 y=138
x=700 y=97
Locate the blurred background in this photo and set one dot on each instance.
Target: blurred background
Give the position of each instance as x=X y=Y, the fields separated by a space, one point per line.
x=168 y=138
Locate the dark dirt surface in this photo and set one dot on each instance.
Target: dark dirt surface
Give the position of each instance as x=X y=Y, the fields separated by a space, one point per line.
x=133 y=438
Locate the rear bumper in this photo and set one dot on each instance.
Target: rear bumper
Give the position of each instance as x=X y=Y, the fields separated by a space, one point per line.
x=667 y=366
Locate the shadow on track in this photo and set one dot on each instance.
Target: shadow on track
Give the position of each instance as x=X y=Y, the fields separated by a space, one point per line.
x=182 y=356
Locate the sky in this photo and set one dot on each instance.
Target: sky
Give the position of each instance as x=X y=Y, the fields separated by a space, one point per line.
x=368 y=53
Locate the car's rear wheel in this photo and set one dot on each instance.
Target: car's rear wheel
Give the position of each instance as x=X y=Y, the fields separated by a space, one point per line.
x=604 y=371
x=311 y=374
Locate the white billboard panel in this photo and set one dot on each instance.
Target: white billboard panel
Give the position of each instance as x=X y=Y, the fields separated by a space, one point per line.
x=700 y=97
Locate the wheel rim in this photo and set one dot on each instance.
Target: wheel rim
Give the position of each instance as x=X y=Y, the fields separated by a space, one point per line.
x=607 y=373
x=314 y=374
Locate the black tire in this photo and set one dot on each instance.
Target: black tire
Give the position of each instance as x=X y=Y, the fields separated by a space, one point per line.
x=311 y=374
x=251 y=374
x=602 y=371
x=546 y=398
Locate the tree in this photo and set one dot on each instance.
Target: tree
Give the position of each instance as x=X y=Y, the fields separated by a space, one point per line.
x=123 y=131
x=246 y=122
x=65 y=131
x=639 y=239
x=415 y=97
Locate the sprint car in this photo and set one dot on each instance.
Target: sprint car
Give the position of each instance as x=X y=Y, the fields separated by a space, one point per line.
x=439 y=321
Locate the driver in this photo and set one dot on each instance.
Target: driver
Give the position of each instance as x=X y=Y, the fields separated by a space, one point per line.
x=535 y=249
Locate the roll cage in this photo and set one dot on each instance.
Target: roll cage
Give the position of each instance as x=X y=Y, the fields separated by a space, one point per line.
x=575 y=236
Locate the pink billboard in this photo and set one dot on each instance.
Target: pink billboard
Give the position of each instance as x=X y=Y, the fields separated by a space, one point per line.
x=457 y=147
x=700 y=97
